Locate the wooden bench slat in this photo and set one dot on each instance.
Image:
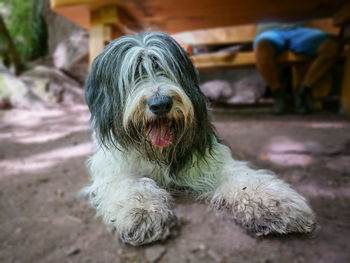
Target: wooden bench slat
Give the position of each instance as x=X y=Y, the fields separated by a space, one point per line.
x=218 y=60
x=240 y=34
x=218 y=36
x=235 y=35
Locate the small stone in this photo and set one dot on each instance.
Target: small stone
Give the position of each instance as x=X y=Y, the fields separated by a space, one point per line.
x=202 y=247
x=154 y=253
x=18 y=230
x=74 y=219
x=60 y=192
x=73 y=251
x=214 y=255
x=42 y=180
x=198 y=247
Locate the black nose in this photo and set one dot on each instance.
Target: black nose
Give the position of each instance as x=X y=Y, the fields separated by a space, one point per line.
x=160 y=104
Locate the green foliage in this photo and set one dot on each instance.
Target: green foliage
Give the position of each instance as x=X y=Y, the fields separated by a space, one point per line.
x=26 y=24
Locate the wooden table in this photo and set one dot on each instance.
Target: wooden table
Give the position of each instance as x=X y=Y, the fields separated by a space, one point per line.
x=107 y=19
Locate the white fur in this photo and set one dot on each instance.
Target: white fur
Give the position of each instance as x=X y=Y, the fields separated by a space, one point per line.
x=127 y=199
x=128 y=193
x=130 y=186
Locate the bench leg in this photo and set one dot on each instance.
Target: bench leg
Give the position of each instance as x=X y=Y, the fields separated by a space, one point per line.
x=101 y=21
x=97 y=43
x=345 y=94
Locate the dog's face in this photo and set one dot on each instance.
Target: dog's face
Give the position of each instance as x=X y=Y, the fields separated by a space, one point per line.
x=143 y=93
x=157 y=111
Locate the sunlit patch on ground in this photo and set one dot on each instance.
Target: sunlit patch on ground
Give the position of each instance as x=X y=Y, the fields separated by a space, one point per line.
x=35 y=127
x=44 y=160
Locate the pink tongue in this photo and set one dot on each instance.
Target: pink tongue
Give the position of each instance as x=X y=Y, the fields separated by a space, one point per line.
x=160 y=135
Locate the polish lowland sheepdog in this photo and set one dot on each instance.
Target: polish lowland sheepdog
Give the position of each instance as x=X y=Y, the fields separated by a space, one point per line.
x=155 y=139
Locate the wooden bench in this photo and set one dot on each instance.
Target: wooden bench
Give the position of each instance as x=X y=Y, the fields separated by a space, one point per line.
x=244 y=34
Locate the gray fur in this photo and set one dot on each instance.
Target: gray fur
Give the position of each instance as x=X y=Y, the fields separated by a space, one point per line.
x=132 y=178
x=127 y=63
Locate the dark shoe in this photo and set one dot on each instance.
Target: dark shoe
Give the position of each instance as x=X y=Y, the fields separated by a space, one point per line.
x=280 y=102
x=302 y=100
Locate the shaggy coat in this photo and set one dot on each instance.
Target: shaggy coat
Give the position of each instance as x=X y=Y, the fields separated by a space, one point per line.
x=155 y=138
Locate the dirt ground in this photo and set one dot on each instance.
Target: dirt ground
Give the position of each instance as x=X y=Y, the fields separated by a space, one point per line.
x=42 y=155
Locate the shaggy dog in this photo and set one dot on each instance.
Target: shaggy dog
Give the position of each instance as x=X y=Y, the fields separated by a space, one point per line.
x=155 y=138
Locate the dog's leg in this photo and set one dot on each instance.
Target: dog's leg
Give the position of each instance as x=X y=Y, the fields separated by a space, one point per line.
x=134 y=206
x=259 y=201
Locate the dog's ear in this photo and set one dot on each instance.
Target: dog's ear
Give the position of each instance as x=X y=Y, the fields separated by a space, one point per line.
x=91 y=91
x=100 y=105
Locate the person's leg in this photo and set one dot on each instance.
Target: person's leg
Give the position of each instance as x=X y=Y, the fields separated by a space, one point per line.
x=266 y=46
x=315 y=44
x=327 y=54
x=266 y=63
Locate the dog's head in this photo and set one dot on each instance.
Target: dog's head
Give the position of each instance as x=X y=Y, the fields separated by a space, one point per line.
x=143 y=93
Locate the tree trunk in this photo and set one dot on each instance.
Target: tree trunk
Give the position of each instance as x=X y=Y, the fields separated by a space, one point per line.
x=10 y=46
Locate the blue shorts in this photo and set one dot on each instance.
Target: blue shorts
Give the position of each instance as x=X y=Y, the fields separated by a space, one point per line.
x=304 y=41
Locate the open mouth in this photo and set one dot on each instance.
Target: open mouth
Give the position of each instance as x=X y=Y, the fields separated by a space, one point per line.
x=160 y=132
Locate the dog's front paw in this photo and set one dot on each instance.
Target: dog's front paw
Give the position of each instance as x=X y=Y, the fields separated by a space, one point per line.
x=142 y=226
x=268 y=215
x=267 y=208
